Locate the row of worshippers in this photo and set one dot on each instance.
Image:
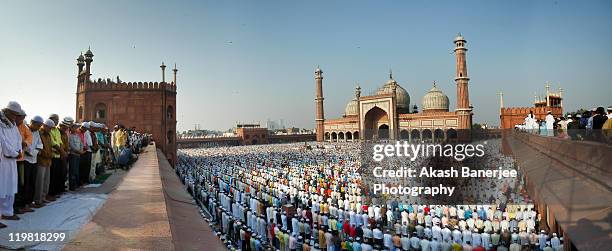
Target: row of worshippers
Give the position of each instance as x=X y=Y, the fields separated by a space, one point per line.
x=245 y=195
x=594 y=125
x=40 y=156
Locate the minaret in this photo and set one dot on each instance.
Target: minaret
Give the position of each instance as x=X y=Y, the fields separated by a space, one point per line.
x=357 y=97
x=501 y=99
x=320 y=116
x=80 y=63
x=88 y=59
x=163 y=68
x=560 y=97
x=174 y=71
x=393 y=127
x=461 y=78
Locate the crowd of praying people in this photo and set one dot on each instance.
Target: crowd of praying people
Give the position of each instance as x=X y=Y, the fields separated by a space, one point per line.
x=43 y=158
x=593 y=125
x=306 y=196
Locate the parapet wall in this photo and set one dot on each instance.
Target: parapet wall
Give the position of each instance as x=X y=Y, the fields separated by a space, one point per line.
x=526 y=110
x=102 y=85
x=594 y=157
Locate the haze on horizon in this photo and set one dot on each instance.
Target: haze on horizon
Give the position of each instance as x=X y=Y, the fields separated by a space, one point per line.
x=250 y=61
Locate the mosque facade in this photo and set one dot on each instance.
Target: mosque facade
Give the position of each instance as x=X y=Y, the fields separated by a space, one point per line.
x=148 y=106
x=389 y=113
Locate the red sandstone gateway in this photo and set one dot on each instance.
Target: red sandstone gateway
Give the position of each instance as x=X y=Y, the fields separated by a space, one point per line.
x=148 y=106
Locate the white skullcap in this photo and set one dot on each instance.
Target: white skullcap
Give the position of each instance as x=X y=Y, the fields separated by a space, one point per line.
x=15 y=107
x=38 y=119
x=49 y=123
x=85 y=124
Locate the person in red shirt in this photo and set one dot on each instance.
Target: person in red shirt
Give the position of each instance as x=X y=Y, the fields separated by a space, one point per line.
x=353 y=231
x=346 y=227
x=478 y=248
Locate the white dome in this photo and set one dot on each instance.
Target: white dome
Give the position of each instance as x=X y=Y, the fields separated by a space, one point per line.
x=435 y=99
x=402 y=98
x=351 y=108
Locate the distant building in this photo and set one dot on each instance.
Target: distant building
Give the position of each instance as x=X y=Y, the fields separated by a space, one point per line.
x=388 y=113
x=252 y=134
x=148 y=106
x=511 y=116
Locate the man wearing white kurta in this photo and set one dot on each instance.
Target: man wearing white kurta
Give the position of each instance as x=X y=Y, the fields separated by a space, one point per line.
x=550 y=123
x=10 y=141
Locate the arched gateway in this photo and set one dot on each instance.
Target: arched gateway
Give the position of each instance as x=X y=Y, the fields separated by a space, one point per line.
x=376 y=124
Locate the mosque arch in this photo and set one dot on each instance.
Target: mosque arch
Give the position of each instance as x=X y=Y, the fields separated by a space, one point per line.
x=170 y=136
x=451 y=134
x=80 y=113
x=349 y=136
x=100 y=111
x=356 y=135
x=327 y=136
x=404 y=134
x=383 y=131
x=255 y=140
x=415 y=134
x=341 y=136
x=426 y=134
x=374 y=119
x=170 y=112
x=334 y=137
x=439 y=135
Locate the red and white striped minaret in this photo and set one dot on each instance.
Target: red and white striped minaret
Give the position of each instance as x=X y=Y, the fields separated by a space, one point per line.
x=464 y=111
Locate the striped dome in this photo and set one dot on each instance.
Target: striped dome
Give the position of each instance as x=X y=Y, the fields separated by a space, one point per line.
x=435 y=99
x=402 y=98
x=351 y=108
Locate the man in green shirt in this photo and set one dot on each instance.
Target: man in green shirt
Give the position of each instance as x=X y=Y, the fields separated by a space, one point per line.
x=56 y=180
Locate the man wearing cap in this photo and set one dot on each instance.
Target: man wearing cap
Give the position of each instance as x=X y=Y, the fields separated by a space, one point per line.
x=56 y=162
x=85 y=164
x=102 y=144
x=95 y=153
x=599 y=118
x=45 y=158
x=30 y=166
x=550 y=124
x=26 y=142
x=10 y=142
x=64 y=128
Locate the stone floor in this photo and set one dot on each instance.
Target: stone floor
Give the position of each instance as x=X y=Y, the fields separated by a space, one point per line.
x=134 y=216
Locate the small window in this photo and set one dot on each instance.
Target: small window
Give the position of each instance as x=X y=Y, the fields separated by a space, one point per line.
x=80 y=113
x=170 y=137
x=170 y=112
x=100 y=111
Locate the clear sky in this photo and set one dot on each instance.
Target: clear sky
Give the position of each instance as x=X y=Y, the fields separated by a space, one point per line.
x=253 y=60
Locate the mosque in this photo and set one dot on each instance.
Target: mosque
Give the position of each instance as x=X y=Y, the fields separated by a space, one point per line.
x=388 y=113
